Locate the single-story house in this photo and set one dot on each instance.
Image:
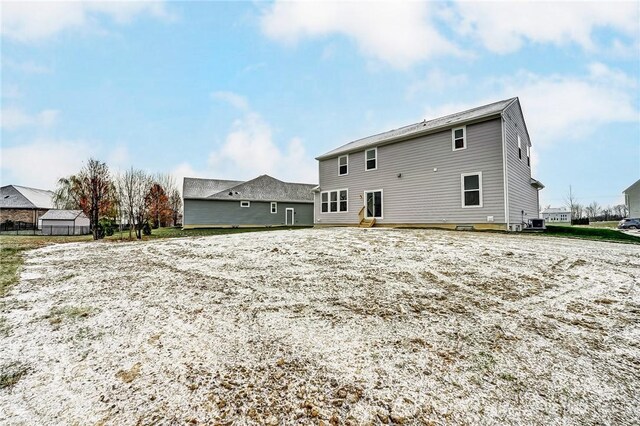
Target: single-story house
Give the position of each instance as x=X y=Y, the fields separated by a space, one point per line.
x=65 y=222
x=557 y=215
x=263 y=201
x=632 y=199
x=468 y=170
x=20 y=204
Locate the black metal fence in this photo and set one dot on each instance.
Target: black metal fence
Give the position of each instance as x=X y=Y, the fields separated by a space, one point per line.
x=23 y=228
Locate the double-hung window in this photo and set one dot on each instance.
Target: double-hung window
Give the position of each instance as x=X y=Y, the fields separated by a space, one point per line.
x=471 y=189
x=274 y=207
x=343 y=165
x=528 y=155
x=371 y=159
x=334 y=201
x=459 y=138
x=519 y=148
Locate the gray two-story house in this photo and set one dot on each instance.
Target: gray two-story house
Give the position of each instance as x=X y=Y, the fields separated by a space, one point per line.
x=469 y=170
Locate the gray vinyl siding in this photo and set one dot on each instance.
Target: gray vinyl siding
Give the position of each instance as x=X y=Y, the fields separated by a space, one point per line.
x=521 y=195
x=422 y=195
x=229 y=213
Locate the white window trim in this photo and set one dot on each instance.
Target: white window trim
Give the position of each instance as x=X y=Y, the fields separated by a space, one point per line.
x=365 y=159
x=529 y=155
x=462 y=191
x=519 y=148
x=381 y=207
x=245 y=204
x=464 y=138
x=337 y=191
x=347 y=157
x=272 y=205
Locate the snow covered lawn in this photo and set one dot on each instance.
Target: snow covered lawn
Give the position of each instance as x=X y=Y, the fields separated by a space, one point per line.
x=339 y=326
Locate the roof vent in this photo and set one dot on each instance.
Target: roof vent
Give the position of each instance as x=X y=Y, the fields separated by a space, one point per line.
x=230 y=193
x=6 y=196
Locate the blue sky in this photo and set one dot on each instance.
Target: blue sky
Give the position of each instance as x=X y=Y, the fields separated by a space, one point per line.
x=237 y=89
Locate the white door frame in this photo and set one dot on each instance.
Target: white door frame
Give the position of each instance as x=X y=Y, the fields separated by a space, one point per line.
x=286 y=216
x=381 y=203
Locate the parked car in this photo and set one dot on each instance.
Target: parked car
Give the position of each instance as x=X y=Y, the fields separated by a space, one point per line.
x=633 y=223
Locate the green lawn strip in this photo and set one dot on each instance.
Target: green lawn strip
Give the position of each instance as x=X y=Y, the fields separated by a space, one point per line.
x=598 y=234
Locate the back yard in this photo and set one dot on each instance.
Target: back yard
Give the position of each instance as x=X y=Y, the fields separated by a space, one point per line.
x=335 y=326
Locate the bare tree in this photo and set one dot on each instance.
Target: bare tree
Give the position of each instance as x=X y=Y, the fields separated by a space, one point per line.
x=175 y=201
x=592 y=210
x=572 y=202
x=135 y=185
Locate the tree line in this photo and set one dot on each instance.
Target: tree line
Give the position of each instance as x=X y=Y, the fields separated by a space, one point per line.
x=142 y=199
x=594 y=211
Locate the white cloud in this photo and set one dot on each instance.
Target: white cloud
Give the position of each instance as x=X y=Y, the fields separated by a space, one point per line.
x=235 y=100
x=400 y=33
x=13 y=118
x=27 y=67
x=503 y=27
x=30 y=21
x=40 y=164
x=559 y=108
x=249 y=151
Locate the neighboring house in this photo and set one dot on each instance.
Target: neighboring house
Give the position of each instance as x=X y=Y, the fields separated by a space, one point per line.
x=263 y=201
x=632 y=199
x=557 y=215
x=466 y=170
x=22 y=204
x=65 y=222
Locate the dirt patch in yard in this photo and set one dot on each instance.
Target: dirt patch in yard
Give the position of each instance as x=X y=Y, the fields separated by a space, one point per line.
x=331 y=326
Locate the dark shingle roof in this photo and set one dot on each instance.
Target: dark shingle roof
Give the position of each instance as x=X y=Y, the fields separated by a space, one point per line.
x=263 y=188
x=420 y=128
x=22 y=197
x=203 y=188
x=54 y=214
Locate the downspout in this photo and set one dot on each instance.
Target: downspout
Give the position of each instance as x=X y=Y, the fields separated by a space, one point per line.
x=504 y=175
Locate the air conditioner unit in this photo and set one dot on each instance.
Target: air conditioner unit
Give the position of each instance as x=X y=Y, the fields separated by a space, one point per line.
x=536 y=224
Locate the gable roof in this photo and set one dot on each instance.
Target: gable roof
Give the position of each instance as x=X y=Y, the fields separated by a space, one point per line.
x=551 y=210
x=203 y=188
x=417 y=129
x=55 y=214
x=633 y=186
x=262 y=188
x=22 y=197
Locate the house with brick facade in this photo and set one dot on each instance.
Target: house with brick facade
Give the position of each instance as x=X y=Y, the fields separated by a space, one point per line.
x=23 y=204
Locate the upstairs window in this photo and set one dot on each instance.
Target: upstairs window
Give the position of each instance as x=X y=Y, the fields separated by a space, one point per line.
x=528 y=155
x=519 y=148
x=343 y=165
x=371 y=159
x=245 y=204
x=274 y=207
x=472 y=189
x=459 y=138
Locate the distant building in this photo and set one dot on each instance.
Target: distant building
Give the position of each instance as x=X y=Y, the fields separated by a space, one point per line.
x=557 y=215
x=263 y=201
x=22 y=204
x=65 y=222
x=632 y=199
